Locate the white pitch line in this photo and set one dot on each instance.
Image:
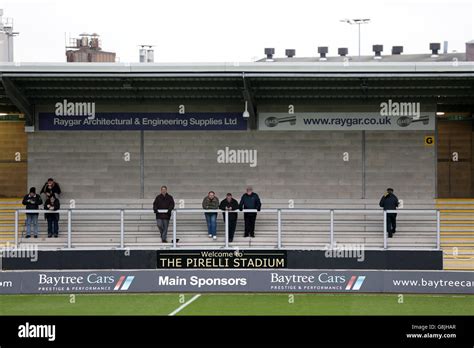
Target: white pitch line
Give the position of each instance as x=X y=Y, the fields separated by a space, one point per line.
x=184 y=305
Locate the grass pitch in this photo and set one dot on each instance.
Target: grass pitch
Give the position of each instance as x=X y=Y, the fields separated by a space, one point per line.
x=236 y=304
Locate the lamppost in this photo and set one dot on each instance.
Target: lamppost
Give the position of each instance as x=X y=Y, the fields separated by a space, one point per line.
x=357 y=21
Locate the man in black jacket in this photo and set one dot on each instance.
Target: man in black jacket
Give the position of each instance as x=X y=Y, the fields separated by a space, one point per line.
x=52 y=204
x=230 y=204
x=51 y=187
x=32 y=201
x=250 y=200
x=390 y=202
x=163 y=201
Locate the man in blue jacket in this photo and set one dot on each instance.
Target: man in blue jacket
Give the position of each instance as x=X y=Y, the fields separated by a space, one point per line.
x=250 y=200
x=390 y=202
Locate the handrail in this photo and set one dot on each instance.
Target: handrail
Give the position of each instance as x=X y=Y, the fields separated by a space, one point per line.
x=279 y=211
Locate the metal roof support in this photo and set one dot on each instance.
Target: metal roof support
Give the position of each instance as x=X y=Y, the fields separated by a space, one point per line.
x=20 y=101
x=252 y=107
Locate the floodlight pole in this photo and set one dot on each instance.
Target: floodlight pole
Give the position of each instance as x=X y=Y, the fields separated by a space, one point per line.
x=358 y=22
x=359 y=37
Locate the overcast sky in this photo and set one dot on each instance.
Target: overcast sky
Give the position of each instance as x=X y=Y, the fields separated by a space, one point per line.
x=229 y=31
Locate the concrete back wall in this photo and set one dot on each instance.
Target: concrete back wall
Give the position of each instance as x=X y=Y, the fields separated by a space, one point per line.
x=86 y=164
x=290 y=164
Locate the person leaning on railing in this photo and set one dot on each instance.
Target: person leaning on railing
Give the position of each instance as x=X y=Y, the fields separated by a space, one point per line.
x=211 y=202
x=390 y=202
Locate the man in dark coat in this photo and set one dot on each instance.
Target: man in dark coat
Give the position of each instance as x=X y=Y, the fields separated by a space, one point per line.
x=390 y=202
x=52 y=204
x=250 y=200
x=230 y=204
x=32 y=201
x=163 y=201
x=51 y=187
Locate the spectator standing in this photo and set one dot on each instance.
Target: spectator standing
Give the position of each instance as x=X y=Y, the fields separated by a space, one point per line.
x=230 y=204
x=52 y=204
x=390 y=202
x=32 y=201
x=211 y=202
x=250 y=200
x=163 y=201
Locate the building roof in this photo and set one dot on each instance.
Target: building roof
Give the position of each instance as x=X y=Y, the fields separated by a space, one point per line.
x=281 y=65
x=393 y=58
x=24 y=85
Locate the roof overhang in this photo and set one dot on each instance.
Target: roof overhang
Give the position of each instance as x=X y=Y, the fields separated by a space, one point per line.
x=26 y=85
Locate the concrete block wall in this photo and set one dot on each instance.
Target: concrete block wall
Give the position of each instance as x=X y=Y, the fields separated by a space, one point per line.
x=291 y=165
x=86 y=164
x=400 y=160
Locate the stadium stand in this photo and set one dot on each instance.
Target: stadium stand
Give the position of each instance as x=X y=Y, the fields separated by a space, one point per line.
x=457 y=232
x=299 y=230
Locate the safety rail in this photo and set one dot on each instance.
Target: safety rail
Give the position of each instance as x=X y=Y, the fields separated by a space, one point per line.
x=279 y=211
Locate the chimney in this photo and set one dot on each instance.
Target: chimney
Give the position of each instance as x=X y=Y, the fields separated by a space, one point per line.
x=378 y=51
x=290 y=53
x=269 y=53
x=322 y=50
x=343 y=51
x=470 y=51
x=397 y=50
x=434 y=47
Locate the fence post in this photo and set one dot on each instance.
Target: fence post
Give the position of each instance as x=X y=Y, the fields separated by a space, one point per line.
x=174 y=228
x=332 y=228
x=69 y=228
x=226 y=213
x=16 y=228
x=279 y=228
x=385 y=229
x=438 y=230
x=122 y=229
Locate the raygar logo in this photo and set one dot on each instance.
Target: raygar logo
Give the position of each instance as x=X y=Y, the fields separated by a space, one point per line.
x=66 y=108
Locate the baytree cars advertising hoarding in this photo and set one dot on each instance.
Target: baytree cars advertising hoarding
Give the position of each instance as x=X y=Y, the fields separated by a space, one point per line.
x=188 y=280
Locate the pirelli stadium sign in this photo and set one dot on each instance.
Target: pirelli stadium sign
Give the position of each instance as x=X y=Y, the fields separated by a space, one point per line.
x=222 y=259
x=236 y=280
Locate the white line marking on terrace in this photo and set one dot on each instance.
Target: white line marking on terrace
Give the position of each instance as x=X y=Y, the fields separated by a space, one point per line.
x=184 y=305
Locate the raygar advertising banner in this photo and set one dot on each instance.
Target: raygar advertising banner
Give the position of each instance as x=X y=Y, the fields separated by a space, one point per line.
x=141 y=121
x=333 y=121
x=268 y=281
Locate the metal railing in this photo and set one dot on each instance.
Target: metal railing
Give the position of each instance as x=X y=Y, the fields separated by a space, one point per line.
x=279 y=211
